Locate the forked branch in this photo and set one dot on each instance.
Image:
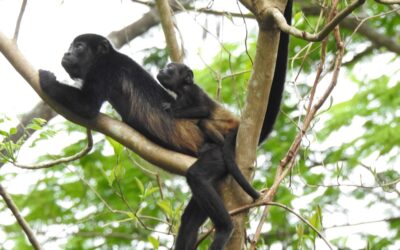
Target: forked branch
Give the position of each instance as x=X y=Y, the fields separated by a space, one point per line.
x=282 y=24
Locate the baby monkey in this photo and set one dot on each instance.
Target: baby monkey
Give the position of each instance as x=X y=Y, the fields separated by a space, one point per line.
x=219 y=124
x=193 y=103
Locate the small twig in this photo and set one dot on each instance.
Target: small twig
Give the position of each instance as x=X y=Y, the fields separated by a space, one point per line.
x=362 y=223
x=276 y=204
x=76 y=156
x=375 y=37
x=282 y=24
x=21 y=221
x=107 y=206
x=266 y=203
x=246 y=37
x=388 y=1
x=19 y=20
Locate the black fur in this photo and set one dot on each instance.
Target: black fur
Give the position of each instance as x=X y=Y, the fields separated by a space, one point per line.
x=112 y=76
x=203 y=180
x=193 y=102
x=109 y=75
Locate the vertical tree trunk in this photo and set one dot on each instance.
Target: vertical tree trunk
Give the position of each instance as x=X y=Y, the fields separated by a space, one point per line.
x=250 y=126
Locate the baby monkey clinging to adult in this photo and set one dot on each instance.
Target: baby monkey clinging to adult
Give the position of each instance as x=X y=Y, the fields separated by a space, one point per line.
x=193 y=102
x=219 y=124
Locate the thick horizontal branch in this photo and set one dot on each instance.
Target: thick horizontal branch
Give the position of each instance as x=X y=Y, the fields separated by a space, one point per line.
x=168 y=160
x=285 y=27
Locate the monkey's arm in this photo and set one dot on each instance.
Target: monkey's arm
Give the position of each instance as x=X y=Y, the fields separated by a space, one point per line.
x=82 y=102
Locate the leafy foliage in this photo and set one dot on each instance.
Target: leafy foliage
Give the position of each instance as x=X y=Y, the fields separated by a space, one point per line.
x=112 y=199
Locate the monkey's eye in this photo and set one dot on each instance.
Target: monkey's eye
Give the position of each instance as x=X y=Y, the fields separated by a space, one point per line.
x=79 y=47
x=170 y=69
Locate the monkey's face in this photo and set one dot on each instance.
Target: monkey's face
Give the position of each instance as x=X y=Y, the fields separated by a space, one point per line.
x=84 y=51
x=169 y=77
x=175 y=76
x=77 y=60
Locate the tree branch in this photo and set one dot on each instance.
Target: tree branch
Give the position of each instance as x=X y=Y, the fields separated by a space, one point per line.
x=362 y=28
x=282 y=24
x=261 y=203
x=21 y=221
x=276 y=204
x=388 y=1
x=175 y=53
x=41 y=110
x=118 y=38
x=67 y=159
x=148 y=20
x=251 y=121
x=288 y=162
x=19 y=20
x=377 y=38
x=168 y=160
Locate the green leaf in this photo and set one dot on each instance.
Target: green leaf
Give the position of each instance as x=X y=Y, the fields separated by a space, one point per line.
x=300 y=231
x=316 y=220
x=132 y=216
x=117 y=147
x=36 y=124
x=165 y=205
x=111 y=179
x=154 y=242
x=119 y=171
x=13 y=131
x=39 y=121
x=3 y=133
x=150 y=191
x=140 y=185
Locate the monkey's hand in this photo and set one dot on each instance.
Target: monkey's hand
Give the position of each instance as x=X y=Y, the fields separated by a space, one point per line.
x=46 y=78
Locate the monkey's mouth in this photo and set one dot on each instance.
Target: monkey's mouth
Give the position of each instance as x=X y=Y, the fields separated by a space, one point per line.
x=65 y=62
x=161 y=75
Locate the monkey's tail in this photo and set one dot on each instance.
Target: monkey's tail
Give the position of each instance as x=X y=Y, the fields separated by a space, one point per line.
x=229 y=158
x=278 y=81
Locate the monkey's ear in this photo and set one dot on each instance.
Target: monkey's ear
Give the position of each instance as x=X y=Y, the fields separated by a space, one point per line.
x=189 y=77
x=103 y=47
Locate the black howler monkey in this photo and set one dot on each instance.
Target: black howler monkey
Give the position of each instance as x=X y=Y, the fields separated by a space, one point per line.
x=204 y=174
x=214 y=120
x=193 y=102
x=109 y=75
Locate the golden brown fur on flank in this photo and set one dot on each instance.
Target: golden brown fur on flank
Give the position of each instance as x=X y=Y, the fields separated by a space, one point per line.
x=187 y=135
x=223 y=120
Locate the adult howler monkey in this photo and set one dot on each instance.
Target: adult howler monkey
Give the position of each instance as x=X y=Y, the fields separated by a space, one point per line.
x=214 y=120
x=109 y=75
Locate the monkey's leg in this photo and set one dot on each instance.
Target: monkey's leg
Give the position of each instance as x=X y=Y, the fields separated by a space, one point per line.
x=192 y=218
x=202 y=178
